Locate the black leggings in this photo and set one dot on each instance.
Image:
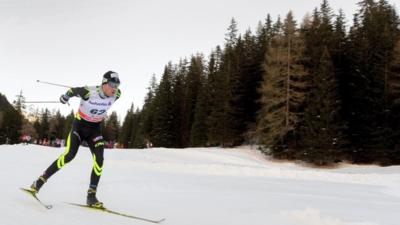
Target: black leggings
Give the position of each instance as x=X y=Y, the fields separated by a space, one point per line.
x=82 y=131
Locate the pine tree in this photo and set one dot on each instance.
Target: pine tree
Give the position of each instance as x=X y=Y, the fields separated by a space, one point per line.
x=198 y=133
x=146 y=119
x=283 y=88
x=19 y=104
x=12 y=122
x=216 y=86
x=234 y=109
x=68 y=124
x=7 y=116
x=4 y=104
x=192 y=87
x=392 y=155
x=56 y=126
x=225 y=130
x=339 y=57
x=178 y=103
x=137 y=139
x=16 y=120
x=318 y=35
x=372 y=41
x=161 y=133
x=339 y=38
x=43 y=125
x=321 y=135
x=220 y=115
x=111 y=128
x=232 y=36
x=126 y=129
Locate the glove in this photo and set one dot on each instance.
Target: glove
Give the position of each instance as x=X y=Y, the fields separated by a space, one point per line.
x=64 y=99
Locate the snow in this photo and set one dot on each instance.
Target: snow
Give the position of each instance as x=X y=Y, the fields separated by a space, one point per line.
x=197 y=186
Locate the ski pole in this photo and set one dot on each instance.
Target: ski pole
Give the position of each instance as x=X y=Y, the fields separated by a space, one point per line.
x=59 y=85
x=41 y=102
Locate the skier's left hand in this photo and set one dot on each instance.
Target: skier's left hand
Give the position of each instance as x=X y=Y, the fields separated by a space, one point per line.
x=64 y=99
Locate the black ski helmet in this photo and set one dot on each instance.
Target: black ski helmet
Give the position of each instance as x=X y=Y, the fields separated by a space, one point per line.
x=112 y=78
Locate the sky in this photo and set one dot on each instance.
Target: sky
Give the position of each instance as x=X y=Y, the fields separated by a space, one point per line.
x=75 y=42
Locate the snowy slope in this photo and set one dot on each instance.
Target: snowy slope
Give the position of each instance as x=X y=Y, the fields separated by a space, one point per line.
x=209 y=186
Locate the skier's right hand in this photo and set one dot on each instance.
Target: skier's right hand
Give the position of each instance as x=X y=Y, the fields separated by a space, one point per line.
x=64 y=99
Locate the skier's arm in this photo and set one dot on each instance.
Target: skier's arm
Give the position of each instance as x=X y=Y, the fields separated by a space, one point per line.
x=82 y=92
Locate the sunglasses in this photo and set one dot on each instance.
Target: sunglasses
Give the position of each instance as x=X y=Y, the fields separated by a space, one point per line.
x=113 y=84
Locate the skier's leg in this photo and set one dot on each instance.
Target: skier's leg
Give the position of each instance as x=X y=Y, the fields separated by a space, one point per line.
x=97 y=150
x=96 y=145
x=73 y=143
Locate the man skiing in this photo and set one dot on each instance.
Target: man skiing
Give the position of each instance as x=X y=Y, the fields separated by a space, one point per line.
x=95 y=101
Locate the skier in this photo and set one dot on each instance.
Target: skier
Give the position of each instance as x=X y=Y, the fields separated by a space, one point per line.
x=95 y=101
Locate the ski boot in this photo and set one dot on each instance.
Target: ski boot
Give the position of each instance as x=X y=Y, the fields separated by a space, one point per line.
x=37 y=184
x=91 y=199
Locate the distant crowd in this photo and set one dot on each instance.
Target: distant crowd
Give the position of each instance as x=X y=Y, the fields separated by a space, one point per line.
x=27 y=139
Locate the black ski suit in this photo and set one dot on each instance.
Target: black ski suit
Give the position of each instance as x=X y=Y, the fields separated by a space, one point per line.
x=86 y=127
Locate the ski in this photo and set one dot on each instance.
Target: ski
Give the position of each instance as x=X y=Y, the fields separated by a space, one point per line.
x=32 y=193
x=103 y=209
